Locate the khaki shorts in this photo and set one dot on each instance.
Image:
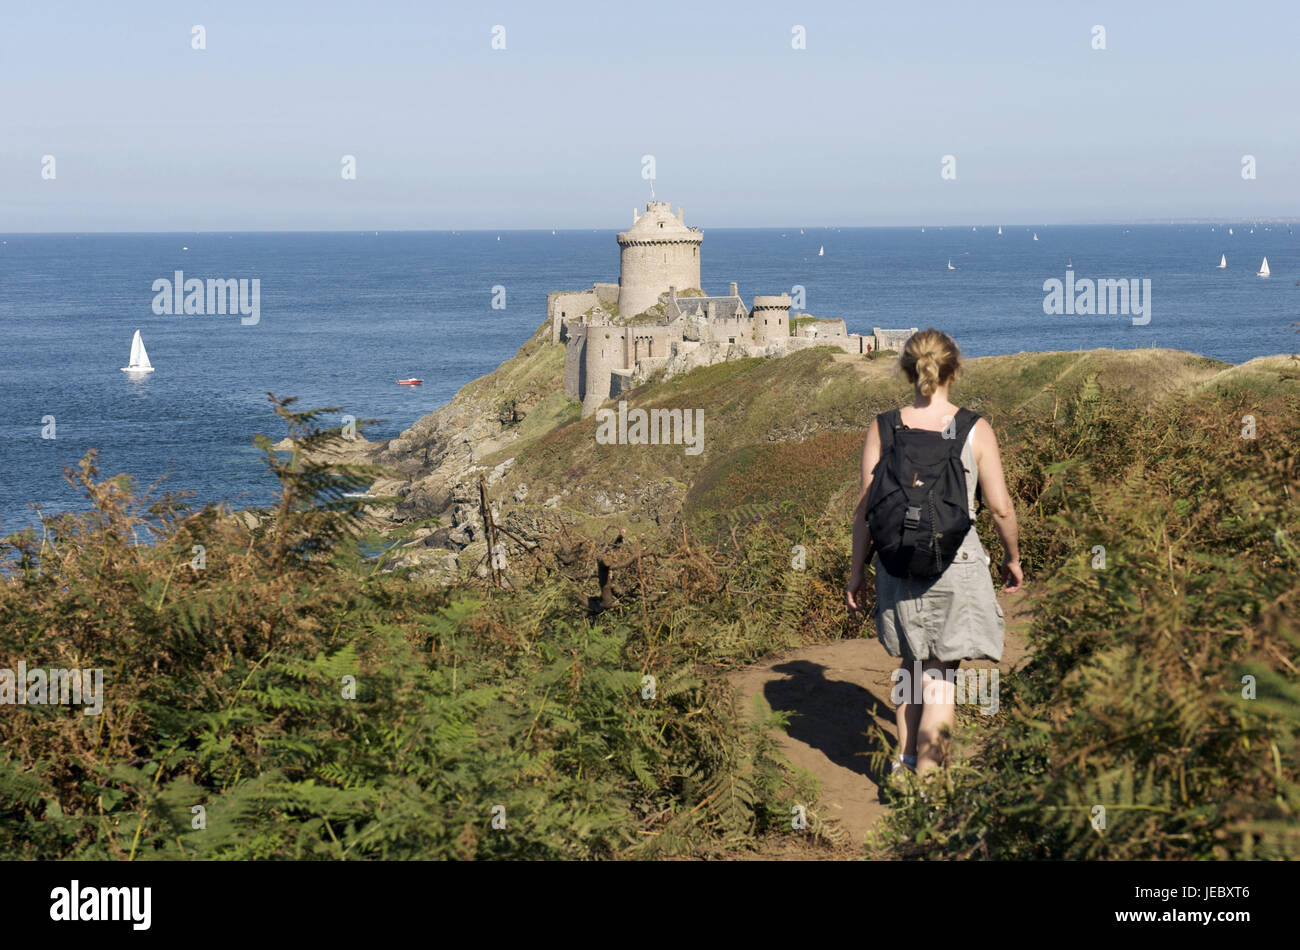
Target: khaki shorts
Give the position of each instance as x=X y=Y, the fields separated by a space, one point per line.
x=955 y=616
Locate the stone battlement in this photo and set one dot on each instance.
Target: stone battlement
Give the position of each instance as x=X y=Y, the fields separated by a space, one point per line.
x=624 y=240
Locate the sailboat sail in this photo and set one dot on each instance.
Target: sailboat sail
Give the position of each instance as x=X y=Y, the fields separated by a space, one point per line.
x=1223 y=261
x=139 y=358
x=1263 y=269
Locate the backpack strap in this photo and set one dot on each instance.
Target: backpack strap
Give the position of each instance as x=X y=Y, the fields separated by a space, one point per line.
x=966 y=420
x=888 y=422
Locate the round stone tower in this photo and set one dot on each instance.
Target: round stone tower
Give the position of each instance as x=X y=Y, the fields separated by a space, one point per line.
x=599 y=359
x=771 y=318
x=659 y=251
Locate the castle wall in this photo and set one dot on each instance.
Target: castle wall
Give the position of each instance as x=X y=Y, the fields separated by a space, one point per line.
x=652 y=341
x=829 y=328
x=575 y=371
x=607 y=294
x=565 y=305
x=732 y=329
x=892 y=339
x=620 y=383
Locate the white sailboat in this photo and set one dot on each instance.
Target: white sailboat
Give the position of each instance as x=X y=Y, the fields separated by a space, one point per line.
x=139 y=358
x=999 y=230
x=1263 y=269
x=950 y=267
x=821 y=251
x=1229 y=230
x=1223 y=261
x=1035 y=235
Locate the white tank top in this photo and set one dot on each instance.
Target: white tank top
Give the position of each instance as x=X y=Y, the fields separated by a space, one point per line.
x=971 y=543
x=972 y=469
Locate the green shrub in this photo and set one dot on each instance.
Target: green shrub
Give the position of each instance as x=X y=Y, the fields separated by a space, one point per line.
x=290 y=699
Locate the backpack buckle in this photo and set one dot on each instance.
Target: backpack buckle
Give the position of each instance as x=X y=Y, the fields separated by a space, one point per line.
x=912 y=517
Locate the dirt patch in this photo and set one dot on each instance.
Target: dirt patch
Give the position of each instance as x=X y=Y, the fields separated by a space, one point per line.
x=836 y=691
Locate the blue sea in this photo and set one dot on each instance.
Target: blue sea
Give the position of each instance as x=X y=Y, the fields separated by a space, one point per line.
x=344 y=315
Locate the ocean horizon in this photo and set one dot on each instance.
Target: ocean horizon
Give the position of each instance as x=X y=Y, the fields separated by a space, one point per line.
x=342 y=315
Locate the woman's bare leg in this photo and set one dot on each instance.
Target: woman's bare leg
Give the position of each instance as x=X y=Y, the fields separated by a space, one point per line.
x=907 y=715
x=938 y=713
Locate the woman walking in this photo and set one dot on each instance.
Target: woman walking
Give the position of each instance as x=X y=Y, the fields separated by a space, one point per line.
x=935 y=603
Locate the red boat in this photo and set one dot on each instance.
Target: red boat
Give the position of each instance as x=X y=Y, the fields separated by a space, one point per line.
x=410 y=382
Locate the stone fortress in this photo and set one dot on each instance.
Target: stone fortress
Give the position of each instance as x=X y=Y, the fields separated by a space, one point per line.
x=657 y=317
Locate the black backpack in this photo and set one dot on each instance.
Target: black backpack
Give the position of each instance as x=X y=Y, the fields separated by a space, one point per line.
x=917 y=506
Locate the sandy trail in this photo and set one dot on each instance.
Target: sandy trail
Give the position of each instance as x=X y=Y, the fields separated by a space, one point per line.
x=836 y=690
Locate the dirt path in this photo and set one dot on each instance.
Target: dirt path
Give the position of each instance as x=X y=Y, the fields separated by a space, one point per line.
x=836 y=690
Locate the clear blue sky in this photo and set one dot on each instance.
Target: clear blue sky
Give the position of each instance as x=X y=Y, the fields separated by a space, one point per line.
x=149 y=134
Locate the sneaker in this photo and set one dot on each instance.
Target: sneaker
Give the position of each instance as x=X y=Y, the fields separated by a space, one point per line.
x=900 y=776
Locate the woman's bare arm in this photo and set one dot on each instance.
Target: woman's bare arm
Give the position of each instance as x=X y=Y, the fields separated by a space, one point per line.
x=993 y=484
x=861 y=534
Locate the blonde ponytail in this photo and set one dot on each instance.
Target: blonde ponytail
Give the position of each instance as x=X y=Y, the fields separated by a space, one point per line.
x=930 y=359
